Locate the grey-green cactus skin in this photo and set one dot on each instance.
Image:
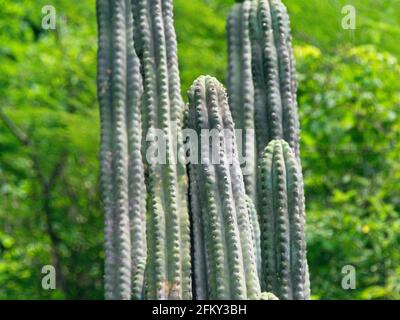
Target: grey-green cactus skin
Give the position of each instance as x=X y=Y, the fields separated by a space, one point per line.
x=168 y=271
x=137 y=187
x=224 y=255
x=122 y=175
x=282 y=215
x=262 y=79
x=241 y=89
x=268 y=296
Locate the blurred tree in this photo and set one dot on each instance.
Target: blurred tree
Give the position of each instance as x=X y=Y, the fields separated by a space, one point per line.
x=320 y=23
x=49 y=213
x=350 y=151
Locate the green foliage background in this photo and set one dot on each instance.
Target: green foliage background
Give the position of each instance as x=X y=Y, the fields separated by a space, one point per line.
x=349 y=99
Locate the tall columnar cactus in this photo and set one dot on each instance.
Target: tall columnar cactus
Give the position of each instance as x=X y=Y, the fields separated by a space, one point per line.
x=168 y=272
x=274 y=74
x=283 y=247
x=224 y=250
x=241 y=89
x=262 y=79
x=122 y=174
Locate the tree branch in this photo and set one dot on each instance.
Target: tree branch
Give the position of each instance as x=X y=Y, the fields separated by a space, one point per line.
x=26 y=142
x=47 y=187
x=21 y=137
x=57 y=170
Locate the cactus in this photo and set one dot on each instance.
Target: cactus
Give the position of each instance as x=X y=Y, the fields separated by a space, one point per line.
x=241 y=89
x=168 y=271
x=122 y=176
x=224 y=253
x=262 y=80
x=274 y=74
x=282 y=216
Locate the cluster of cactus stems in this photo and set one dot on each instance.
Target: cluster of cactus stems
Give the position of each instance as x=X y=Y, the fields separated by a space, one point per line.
x=262 y=88
x=213 y=232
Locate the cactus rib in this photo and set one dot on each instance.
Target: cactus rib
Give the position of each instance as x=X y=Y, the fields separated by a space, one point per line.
x=137 y=188
x=103 y=88
x=256 y=233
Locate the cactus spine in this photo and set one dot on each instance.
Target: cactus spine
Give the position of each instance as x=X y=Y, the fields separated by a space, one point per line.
x=262 y=79
x=224 y=254
x=282 y=223
x=123 y=193
x=168 y=272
